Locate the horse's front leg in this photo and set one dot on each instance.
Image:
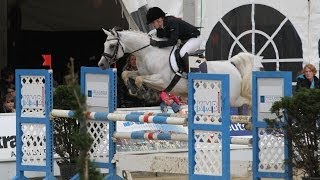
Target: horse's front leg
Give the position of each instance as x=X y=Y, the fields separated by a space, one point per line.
x=125 y=75
x=154 y=81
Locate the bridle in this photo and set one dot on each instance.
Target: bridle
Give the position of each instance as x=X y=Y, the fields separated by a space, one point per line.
x=113 y=58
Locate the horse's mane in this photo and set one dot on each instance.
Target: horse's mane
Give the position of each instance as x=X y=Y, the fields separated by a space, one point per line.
x=135 y=31
x=152 y=34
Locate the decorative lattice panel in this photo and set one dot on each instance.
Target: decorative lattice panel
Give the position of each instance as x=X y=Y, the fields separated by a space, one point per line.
x=99 y=132
x=33 y=144
x=208 y=155
x=33 y=96
x=208 y=112
x=271 y=153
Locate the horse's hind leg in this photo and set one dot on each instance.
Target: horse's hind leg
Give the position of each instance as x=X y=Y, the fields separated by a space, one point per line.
x=242 y=101
x=245 y=109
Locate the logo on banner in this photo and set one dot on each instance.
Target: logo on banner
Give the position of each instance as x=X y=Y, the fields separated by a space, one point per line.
x=206 y=107
x=97 y=93
x=269 y=98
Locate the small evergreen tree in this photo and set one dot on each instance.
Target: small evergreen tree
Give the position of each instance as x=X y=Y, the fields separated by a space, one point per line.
x=76 y=141
x=298 y=118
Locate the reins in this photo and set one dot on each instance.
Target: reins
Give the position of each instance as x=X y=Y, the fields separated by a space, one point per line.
x=139 y=49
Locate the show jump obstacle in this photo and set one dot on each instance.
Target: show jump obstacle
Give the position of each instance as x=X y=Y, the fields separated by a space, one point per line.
x=208 y=123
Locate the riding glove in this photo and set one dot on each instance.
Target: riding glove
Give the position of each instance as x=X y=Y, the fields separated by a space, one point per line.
x=154 y=43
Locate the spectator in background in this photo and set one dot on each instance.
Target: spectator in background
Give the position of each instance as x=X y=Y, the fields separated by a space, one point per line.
x=11 y=91
x=8 y=104
x=131 y=63
x=308 y=79
x=7 y=80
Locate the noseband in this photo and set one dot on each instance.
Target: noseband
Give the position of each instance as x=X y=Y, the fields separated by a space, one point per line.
x=113 y=58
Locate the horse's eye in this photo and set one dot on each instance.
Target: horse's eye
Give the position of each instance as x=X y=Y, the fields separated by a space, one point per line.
x=112 y=46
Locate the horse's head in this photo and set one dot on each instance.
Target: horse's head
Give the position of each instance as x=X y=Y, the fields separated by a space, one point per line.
x=113 y=49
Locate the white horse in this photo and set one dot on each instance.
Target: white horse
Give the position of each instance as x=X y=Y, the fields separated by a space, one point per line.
x=155 y=72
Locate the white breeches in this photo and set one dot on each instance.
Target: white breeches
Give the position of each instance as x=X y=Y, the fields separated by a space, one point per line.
x=190 y=46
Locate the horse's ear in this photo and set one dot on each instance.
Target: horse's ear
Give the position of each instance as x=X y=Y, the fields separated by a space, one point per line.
x=114 y=32
x=117 y=28
x=106 y=32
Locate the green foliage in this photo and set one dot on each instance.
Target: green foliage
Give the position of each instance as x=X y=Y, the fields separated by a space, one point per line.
x=64 y=98
x=93 y=172
x=299 y=119
x=71 y=139
x=65 y=128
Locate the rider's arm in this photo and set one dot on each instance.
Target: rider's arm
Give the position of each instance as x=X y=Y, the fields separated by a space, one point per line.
x=171 y=31
x=173 y=39
x=160 y=33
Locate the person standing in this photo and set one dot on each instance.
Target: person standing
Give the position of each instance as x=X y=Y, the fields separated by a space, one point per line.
x=308 y=78
x=174 y=29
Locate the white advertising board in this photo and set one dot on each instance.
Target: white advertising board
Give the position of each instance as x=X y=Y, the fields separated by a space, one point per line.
x=269 y=91
x=96 y=91
x=7 y=136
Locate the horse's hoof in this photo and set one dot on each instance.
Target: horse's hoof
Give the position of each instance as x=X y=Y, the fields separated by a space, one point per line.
x=248 y=127
x=138 y=82
x=126 y=82
x=132 y=93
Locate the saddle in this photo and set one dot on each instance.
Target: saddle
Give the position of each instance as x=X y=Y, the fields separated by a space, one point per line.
x=179 y=67
x=193 y=62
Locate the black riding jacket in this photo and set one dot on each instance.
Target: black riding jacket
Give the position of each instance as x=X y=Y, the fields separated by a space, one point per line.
x=303 y=82
x=174 y=29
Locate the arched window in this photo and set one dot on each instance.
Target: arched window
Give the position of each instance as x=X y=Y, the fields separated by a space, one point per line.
x=261 y=30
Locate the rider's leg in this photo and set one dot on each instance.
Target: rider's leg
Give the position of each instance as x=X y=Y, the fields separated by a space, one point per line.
x=178 y=59
x=185 y=60
x=190 y=46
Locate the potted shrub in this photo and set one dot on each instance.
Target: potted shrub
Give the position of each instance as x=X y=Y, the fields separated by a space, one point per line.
x=298 y=119
x=64 y=131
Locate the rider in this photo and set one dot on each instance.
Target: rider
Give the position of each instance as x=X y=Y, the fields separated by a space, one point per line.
x=174 y=28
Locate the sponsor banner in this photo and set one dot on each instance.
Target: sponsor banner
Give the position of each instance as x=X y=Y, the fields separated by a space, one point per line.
x=237 y=129
x=7 y=136
x=96 y=90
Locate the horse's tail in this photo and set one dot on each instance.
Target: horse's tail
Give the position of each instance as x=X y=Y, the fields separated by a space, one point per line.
x=244 y=62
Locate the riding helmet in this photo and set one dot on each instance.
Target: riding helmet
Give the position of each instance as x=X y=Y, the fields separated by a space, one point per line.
x=154 y=13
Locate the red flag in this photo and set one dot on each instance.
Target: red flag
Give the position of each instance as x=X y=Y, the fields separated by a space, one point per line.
x=47 y=60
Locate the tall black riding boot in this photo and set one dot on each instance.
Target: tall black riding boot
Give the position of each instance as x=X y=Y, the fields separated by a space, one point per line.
x=185 y=60
x=178 y=59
